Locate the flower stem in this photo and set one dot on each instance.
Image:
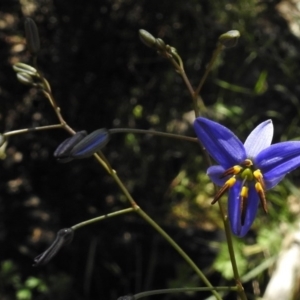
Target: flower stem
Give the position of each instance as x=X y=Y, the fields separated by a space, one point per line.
x=181 y=71
x=216 y=53
x=182 y=290
x=150 y=221
x=107 y=216
x=240 y=288
x=25 y=130
x=153 y=132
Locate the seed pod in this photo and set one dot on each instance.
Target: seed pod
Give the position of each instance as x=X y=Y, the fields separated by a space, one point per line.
x=32 y=36
x=63 y=237
x=62 y=152
x=147 y=38
x=230 y=38
x=90 y=144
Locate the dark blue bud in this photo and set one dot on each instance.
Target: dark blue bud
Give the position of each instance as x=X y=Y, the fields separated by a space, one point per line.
x=32 y=36
x=63 y=237
x=62 y=152
x=92 y=143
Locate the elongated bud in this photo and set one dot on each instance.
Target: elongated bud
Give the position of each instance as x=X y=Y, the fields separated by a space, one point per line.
x=25 y=78
x=230 y=38
x=63 y=238
x=32 y=36
x=23 y=68
x=62 y=152
x=92 y=143
x=147 y=38
x=160 y=45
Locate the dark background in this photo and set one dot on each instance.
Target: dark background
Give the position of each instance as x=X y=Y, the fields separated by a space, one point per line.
x=101 y=74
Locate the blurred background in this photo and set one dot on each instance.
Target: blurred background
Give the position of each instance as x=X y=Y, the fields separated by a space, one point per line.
x=103 y=76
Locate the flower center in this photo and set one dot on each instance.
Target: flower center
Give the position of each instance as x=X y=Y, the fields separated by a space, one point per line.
x=246 y=173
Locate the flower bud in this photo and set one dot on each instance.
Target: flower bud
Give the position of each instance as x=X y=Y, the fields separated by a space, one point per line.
x=160 y=45
x=63 y=237
x=25 y=78
x=230 y=38
x=147 y=38
x=62 y=152
x=23 y=68
x=92 y=143
x=32 y=36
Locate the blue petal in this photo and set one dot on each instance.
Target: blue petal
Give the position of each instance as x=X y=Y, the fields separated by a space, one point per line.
x=234 y=209
x=271 y=182
x=279 y=159
x=221 y=144
x=259 y=139
x=215 y=173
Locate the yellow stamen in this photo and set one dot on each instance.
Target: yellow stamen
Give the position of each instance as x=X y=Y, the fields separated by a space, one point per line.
x=259 y=177
x=244 y=198
x=262 y=197
x=247 y=163
x=232 y=171
x=228 y=184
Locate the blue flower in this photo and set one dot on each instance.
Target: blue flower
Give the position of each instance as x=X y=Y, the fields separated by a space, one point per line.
x=246 y=170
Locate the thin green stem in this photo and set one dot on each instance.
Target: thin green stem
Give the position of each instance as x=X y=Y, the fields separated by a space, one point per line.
x=183 y=290
x=150 y=221
x=104 y=164
x=236 y=275
x=216 y=53
x=181 y=71
x=104 y=217
x=179 y=250
x=153 y=132
x=52 y=101
x=25 y=130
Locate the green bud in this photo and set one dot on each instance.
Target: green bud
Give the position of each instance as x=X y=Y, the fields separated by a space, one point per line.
x=160 y=45
x=32 y=36
x=230 y=38
x=23 y=68
x=147 y=38
x=25 y=78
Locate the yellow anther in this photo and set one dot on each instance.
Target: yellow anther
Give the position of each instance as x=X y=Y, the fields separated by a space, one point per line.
x=244 y=192
x=228 y=184
x=244 y=198
x=247 y=163
x=262 y=196
x=237 y=169
x=232 y=171
x=259 y=177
